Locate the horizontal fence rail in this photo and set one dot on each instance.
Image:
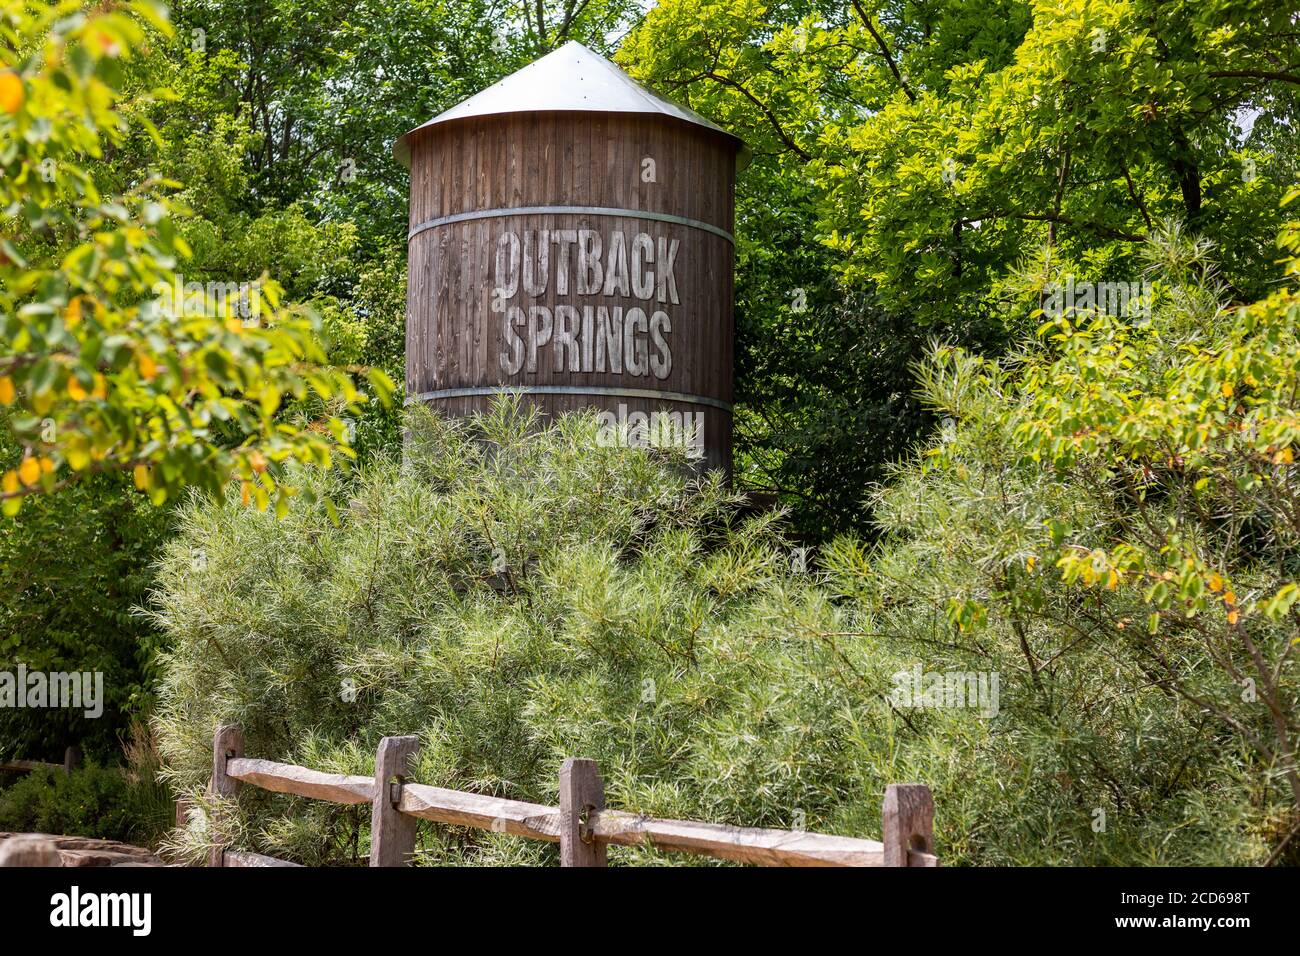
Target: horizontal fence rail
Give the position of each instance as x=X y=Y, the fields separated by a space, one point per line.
x=582 y=825
x=301 y=782
x=71 y=761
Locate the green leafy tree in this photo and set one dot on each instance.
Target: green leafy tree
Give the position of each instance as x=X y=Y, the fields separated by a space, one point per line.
x=107 y=365
x=324 y=89
x=1108 y=117
x=947 y=156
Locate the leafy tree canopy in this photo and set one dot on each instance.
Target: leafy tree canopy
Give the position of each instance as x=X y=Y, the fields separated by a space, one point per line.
x=109 y=363
x=951 y=160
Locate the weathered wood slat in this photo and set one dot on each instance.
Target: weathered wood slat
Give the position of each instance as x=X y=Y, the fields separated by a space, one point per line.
x=302 y=782
x=476 y=810
x=746 y=844
x=764 y=847
x=240 y=858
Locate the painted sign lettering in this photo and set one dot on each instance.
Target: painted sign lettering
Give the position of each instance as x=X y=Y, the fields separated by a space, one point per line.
x=586 y=337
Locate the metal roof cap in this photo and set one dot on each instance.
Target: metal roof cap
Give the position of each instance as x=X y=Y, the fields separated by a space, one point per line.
x=569 y=79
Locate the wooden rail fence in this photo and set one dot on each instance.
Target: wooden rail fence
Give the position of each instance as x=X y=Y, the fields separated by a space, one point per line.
x=581 y=824
x=71 y=761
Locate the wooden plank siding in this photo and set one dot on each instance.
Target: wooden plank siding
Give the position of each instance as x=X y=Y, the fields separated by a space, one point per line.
x=455 y=339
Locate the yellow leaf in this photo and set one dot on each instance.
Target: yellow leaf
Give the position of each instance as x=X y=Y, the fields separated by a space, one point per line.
x=148 y=367
x=6 y=390
x=1230 y=599
x=76 y=391
x=1216 y=581
x=1030 y=562
x=11 y=92
x=101 y=387
x=1233 y=617
x=30 y=471
x=141 y=475
x=1226 y=388
x=1111 y=581
x=10 y=483
x=77 y=455
x=47 y=466
x=245 y=492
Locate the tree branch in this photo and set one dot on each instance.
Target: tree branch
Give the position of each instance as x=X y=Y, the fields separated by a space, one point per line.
x=771 y=117
x=884 y=49
x=1256 y=75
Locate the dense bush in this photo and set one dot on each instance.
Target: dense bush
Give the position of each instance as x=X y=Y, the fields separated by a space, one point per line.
x=515 y=601
x=1109 y=523
x=518 y=596
x=73 y=567
x=106 y=803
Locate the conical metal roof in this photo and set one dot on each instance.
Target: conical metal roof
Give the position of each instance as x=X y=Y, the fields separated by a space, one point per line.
x=571 y=78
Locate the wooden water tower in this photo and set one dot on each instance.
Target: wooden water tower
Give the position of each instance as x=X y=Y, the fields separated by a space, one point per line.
x=571 y=239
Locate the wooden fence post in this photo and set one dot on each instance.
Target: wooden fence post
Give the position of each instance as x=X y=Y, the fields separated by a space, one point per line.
x=71 y=758
x=908 y=821
x=581 y=791
x=227 y=744
x=392 y=833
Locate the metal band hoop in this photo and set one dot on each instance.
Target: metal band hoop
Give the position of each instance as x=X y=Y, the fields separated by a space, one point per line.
x=614 y=392
x=569 y=210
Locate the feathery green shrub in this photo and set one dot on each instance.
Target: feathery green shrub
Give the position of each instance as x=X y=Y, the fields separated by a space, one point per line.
x=1108 y=522
x=516 y=597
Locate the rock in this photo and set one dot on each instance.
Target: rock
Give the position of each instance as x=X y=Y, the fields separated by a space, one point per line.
x=29 y=849
x=77 y=851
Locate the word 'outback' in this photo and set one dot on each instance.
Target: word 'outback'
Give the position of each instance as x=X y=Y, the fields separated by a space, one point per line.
x=631 y=340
